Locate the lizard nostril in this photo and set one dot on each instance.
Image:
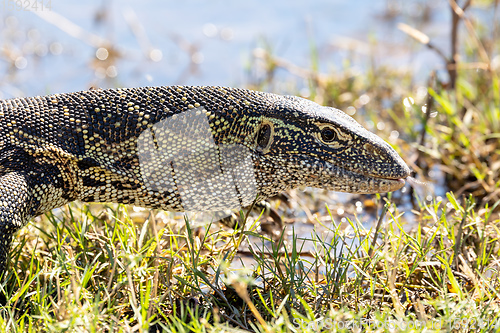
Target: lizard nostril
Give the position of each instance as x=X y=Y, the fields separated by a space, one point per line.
x=375 y=151
x=383 y=156
x=370 y=149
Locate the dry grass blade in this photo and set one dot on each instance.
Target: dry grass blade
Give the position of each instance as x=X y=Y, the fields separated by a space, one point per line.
x=73 y=29
x=420 y=37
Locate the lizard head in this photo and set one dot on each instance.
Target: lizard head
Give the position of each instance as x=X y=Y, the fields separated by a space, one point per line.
x=300 y=143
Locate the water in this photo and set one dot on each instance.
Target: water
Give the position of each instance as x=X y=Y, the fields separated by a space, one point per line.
x=76 y=45
x=196 y=42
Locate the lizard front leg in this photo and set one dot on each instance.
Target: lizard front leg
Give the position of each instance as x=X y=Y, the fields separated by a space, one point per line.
x=16 y=207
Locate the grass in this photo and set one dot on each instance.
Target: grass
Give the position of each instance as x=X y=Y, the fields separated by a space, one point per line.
x=78 y=271
x=93 y=268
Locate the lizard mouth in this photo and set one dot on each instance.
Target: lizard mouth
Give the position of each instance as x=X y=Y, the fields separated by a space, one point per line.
x=345 y=180
x=395 y=183
x=386 y=182
x=378 y=184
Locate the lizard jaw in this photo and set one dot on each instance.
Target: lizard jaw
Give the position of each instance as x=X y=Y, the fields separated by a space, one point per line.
x=336 y=178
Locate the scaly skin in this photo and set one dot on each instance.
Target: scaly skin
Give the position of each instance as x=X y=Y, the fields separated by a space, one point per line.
x=178 y=148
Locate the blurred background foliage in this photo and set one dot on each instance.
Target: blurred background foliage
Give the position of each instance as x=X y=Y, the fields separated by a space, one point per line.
x=422 y=74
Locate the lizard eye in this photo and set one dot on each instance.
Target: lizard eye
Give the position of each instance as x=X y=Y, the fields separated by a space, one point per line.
x=264 y=136
x=328 y=134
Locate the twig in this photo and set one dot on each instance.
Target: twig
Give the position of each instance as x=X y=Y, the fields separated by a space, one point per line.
x=154 y=293
x=460 y=12
x=139 y=32
x=458 y=242
x=241 y=290
x=377 y=228
x=72 y=29
x=422 y=38
x=428 y=104
x=455 y=19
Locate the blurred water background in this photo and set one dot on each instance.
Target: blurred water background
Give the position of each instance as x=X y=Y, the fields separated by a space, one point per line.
x=69 y=46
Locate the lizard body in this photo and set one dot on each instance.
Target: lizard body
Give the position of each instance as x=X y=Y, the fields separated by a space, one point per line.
x=178 y=148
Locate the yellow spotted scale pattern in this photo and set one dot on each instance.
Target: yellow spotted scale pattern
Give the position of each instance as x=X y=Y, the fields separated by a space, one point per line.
x=178 y=148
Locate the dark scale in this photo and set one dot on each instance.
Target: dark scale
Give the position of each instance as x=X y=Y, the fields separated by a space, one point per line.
x=178 y=148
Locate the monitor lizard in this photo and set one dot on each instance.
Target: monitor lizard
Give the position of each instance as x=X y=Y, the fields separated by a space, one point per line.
x=178 y=148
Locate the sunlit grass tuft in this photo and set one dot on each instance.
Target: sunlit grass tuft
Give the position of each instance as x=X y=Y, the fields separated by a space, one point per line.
x=116 y=274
